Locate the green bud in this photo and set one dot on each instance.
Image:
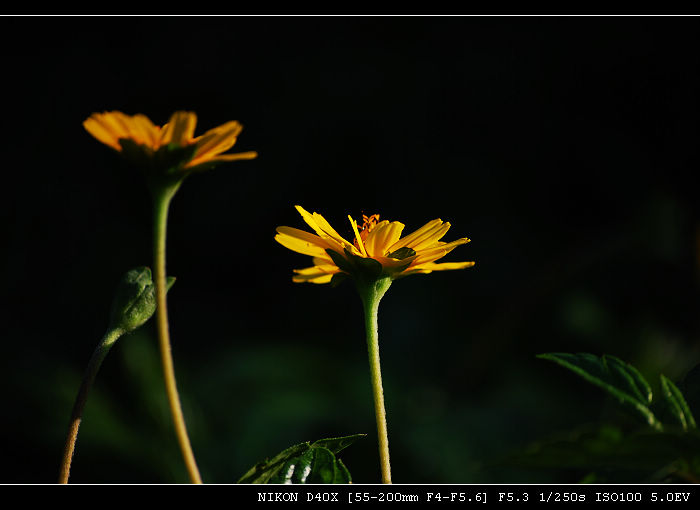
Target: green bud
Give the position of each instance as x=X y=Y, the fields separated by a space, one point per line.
x=135 y=299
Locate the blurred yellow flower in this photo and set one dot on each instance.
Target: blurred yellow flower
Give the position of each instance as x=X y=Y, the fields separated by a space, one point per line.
x=377 y=246
x=112 y=128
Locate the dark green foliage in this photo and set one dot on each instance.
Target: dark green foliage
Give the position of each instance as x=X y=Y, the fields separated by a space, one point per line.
x=304 y=463
x=622 y=381
x=668 y=451
x=676 y=404
x=690 y=386
x=608 y=453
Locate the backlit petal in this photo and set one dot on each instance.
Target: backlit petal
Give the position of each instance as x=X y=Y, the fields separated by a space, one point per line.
x=301 y=275
x=431 y=266
x=319 y=224
x=180 y=129
x=430 y=238
x=382 y=239
x=217 y=140
x=417 y=235
x=438 y=252
x=222 y=158
x=357 y=236
x=299 y=246
x=102 y=132
x=146 y=130
x=304 y=236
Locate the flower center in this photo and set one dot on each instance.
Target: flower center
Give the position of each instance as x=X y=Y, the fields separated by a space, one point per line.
x=368 y=224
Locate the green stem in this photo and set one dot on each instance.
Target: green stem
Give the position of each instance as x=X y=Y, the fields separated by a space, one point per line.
x=161 y=202
x=77 y=415
x=371 y=293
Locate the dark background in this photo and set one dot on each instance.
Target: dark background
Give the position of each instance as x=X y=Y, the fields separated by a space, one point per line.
x=564 y=147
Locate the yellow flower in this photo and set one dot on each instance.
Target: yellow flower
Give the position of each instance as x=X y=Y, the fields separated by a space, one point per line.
x=377 y=247
x=119 y=131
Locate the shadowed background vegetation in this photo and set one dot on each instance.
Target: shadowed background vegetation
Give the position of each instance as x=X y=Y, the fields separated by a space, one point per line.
x=565 y=148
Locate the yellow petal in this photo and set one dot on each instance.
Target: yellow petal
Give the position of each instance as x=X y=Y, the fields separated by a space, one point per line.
x=120 y=123
x=299 y=246
x=180 y=129
x=445 y=266
x=319 y=224
x=304 y=236
x=97 y=128
x=449 y=266
x=380 y=239
x=313 y=270
x=114 y=121
x=222 y=158
x=146 y=131
x=312 y=278
x=360 y=244
x=320 y=269
x=430 y=238
x=232 y=125
x=217 y=140
x=438 y=252
x=324 y=261
x=371 y=238
x=417 y=235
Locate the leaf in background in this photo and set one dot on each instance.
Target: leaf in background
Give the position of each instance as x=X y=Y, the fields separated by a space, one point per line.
x=629 y=377
x=690 y=386
x=607 y=451
x=619 y=379
x=677 y=404
x=304 y=463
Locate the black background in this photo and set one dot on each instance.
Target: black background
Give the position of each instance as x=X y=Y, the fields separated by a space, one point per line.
x=564 y=147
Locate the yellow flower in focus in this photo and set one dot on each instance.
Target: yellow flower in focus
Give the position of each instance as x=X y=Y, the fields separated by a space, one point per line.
x=121 y=132
x=377 y=248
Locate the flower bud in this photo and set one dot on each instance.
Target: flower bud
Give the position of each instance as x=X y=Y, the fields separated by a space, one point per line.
x=135 y=299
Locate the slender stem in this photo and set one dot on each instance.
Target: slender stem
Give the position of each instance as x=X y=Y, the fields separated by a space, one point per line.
x=161 y=202
x=371 y=295
x=77 y=415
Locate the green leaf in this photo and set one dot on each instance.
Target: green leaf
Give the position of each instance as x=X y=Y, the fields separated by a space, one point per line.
x=337 y=444
x=629 y=378
x=263 y=471
x=315 y=465
x=617 y=378
x=690 y=386
x=677 y=404
x=304 y=463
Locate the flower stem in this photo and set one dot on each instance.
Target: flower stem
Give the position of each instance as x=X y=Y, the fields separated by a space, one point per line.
x=371 y=293
x=77 y=415
x=161 y=203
